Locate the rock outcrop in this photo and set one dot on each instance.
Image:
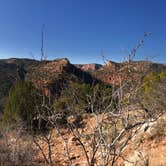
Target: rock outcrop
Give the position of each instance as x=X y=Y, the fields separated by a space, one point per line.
x=89 y=67
x=53 y=76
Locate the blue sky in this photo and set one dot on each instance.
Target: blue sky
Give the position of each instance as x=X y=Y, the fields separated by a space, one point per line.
x=80 y=29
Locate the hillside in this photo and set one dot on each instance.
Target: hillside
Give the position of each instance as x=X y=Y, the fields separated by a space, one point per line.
x=51 y=76
x=54 y=75
x=9 y=74
x=87 y=121
x=114 y=73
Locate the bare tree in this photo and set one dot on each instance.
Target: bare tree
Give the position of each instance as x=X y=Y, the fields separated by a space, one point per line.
x=109 y=150
x=47 y=154
x=115 y=124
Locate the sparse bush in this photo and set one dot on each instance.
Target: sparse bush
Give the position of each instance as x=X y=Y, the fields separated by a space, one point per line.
x=16 y=147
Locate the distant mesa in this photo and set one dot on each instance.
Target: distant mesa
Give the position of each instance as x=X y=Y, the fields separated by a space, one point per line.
x=89 y=67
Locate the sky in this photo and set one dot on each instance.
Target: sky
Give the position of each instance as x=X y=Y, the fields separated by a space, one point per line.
x=81 y=29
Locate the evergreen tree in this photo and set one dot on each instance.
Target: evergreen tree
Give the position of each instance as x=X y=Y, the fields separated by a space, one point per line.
x=21 y=103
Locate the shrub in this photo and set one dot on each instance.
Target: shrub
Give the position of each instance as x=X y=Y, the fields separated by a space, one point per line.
x=78 y=99
x=73 y=99
x=21 y=103
x=153 y=92
x=16 y=147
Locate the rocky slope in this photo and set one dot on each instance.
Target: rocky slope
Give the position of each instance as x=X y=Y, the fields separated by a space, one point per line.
x=51 y=76
x=146 y=148
x=54 y=75
x=115 y=73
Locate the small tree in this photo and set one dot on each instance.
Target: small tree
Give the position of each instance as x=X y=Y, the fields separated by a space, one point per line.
x=21 y=103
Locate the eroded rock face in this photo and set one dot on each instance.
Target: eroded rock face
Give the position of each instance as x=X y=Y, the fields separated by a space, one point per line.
x=115 y=79
x=52 y=76
x=112 y=66
x=115 y=73
x=57 y=66
x=89 y=67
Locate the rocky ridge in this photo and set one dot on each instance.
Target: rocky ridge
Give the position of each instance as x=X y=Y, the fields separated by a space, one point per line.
x=54 y=75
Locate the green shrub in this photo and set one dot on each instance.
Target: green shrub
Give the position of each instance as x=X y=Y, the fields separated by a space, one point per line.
x=152 y=94
x=78 y=99
x=21 y=103
x=74 y=98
